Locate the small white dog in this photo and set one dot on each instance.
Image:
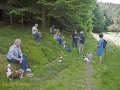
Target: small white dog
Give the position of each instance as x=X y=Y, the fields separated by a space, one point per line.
x=86 y=59
x=89 y=56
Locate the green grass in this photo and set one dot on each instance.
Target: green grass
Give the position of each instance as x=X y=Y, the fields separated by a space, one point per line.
x=67 y=75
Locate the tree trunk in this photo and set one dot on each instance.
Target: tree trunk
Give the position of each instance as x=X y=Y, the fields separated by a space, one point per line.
x=22 y=20
x=43 y=17
x=47 y=23
x=11 y=19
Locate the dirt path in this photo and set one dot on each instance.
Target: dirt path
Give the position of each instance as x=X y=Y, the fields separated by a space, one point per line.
x=110 y=36
x=88 y=75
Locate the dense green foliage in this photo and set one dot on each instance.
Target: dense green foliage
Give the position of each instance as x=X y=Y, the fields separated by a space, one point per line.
x=100 y=20
x=70 y=74
x=65 y=14
x=112 y=11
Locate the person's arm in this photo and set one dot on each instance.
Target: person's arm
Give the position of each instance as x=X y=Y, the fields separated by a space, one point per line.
x=99 y=43
x=80 y=38
x=35 y=29
x=70 y=35
x=77 y=36
x=13 y=57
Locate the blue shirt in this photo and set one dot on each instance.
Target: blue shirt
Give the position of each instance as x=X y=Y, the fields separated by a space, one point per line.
x=82 y=37
x=100 y=43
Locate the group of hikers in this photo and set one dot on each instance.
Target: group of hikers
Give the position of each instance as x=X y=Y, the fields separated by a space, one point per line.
x=15 y=54
x=75 y=38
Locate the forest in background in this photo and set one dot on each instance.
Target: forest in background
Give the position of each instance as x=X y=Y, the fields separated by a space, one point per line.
x=112 y=11
x=66 y=15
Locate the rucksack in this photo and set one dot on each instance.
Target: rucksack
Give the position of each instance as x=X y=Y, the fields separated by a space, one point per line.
x=104 y=44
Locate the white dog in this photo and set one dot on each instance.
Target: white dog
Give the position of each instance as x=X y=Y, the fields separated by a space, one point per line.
x=89 y=56
x=86 y=59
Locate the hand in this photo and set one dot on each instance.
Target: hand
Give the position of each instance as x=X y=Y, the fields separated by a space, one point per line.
x=19 y=59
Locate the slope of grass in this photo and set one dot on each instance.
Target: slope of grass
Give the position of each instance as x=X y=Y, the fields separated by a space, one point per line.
x=67 y=75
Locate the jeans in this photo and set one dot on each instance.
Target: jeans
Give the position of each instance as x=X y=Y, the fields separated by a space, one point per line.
x=74 y=43
x=23 y=65
x=67 y=49
x=37 y=36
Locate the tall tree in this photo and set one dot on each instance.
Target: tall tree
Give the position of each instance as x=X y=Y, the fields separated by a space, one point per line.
x=98 y=20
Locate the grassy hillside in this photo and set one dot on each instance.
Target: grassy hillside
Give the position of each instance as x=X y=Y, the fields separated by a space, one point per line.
x=70 y=74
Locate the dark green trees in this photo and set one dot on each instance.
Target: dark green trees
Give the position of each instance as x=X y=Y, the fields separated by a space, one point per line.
x=69 y=14
x=98 y=20
x=101 y=21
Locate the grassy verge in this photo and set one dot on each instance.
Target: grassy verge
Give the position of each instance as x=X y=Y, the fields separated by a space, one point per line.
x=67 y=75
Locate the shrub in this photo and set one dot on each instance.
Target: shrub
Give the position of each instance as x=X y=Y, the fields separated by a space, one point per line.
x=36 y=56
x=48 y=53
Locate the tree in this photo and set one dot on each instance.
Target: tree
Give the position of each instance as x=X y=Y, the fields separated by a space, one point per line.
x=98 y=20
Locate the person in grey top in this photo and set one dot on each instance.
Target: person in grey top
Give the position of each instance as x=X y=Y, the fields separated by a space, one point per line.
x=16 y=56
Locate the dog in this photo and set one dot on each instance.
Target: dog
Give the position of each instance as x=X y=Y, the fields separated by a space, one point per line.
x=86 y=59
x=61 y=58
x=89 y=56
x=14 y=74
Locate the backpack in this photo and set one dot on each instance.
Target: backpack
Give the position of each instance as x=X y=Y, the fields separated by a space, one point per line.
x=104 y=44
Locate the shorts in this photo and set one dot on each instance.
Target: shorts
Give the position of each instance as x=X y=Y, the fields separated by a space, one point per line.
x=99 y=52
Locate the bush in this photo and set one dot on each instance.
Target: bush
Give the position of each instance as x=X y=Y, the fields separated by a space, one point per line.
x=48 y=53
x=36 y=57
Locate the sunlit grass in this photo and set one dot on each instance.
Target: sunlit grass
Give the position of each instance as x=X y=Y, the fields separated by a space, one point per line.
x=67 y=75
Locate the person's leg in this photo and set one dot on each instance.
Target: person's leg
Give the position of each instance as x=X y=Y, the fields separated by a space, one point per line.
x=76 y=44
x=35 y=36
x=24 y=65
x=80 y=46
x=67 y=49
x=13 y=60
x=100 y=59
x=100 y=55
x=73 y=44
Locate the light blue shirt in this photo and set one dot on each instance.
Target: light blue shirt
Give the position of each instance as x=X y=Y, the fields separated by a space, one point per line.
x=14 y=51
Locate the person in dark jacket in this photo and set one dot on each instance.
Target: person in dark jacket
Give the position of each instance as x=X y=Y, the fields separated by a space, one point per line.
x=75 y=37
